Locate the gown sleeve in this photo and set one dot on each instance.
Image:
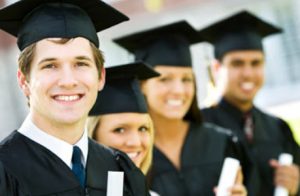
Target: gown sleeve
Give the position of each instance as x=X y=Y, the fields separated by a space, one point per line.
x=8 y=185
x=237 y=150
x=291 y=145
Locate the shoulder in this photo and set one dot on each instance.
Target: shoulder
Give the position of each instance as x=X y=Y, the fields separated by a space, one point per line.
x=218 y=129
x=99 y=151
x=114 y=156
x=11 y=145
x=9 y=140
x=216 y=132
x=273 y=120
x=210 y=110
x=264 y=115
x=99 y=148
x=211 y=114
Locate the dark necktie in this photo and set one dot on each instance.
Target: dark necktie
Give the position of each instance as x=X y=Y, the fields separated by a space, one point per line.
x=77 y=166
x=248 y=127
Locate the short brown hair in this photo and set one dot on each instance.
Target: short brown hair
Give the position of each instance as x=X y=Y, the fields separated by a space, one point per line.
x=27 y=55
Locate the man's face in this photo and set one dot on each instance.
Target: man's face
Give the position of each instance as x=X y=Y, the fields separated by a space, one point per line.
x=63 y=82
x=243 y=76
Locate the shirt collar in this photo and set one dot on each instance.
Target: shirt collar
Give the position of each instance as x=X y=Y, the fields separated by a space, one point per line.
x=57 y=146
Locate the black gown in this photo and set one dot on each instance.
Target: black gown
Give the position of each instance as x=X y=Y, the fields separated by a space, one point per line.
x=271 y=137
x=202 y=155
x=29 y=169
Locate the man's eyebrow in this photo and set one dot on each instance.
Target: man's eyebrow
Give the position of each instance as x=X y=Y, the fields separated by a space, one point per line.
x=46 y=60
x=84 y=58
x=53 y=59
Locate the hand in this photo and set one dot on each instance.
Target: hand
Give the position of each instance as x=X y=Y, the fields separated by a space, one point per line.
x=286 y=176
x=238 y=189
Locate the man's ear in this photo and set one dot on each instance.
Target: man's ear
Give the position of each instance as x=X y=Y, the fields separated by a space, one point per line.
x=216 y=65
x=215 y=69
x=23 y=84
x=102 y=79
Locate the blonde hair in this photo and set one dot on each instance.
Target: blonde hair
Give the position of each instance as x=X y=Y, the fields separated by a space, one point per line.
x=92 y=124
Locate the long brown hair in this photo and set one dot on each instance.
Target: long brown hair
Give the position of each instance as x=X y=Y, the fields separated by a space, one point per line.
x=194 y=112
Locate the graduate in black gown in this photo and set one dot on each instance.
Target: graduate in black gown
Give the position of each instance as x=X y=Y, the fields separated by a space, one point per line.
x=60 y=72
x=239 y=54
x=126 y=125
x=188 y=154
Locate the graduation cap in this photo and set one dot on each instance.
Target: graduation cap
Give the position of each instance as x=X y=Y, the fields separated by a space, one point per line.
x=241 y=31
x=164 y=45
x=121 y=92
x=34 y=20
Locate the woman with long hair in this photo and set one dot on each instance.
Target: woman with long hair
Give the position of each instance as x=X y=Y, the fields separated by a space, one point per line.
x=120 y=118
x=188 y=154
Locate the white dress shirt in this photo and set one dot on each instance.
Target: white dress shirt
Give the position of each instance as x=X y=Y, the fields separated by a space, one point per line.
x=57 y=146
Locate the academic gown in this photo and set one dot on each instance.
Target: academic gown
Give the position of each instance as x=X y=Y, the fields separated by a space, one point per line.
x=271 y=136
x=29 y=169
x=202 y=155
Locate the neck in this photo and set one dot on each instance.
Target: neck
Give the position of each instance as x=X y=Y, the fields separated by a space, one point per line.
x=169 y=129
x=242 y=106
x=70 y=133
x=170 y=136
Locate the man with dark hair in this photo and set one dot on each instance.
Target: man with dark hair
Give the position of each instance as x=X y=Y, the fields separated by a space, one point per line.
x=240 y=62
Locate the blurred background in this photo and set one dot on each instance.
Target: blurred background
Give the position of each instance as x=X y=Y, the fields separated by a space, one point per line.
x=279 y=96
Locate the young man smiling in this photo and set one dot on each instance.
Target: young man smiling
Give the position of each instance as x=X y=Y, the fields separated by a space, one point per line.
x=60 y=72
x=240 y=67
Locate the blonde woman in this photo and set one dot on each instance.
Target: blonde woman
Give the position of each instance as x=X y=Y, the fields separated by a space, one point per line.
x=120 y=118
x=111 y=130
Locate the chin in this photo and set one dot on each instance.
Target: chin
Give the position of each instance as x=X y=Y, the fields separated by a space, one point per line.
x=70 y=121
x=174 y=116
x=137 y=164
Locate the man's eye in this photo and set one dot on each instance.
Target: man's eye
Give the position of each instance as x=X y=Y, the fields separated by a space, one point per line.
x=48 y=66
x=237 y=63
x=82 y=64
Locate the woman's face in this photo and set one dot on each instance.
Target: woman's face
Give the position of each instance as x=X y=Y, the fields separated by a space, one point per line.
x=170 y=95
x=128 y=132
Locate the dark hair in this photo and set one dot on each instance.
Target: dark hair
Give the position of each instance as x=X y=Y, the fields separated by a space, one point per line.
x=194 y=112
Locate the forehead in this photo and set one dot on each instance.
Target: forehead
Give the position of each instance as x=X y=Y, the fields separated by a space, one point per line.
x=124 y=118
x=166 y=69
x=56 y=48
x=244 y=55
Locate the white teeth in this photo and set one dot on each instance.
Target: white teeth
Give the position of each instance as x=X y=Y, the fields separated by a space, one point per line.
x=248 y=85
x=67 y=98
x=132 y=154
x=174 y=102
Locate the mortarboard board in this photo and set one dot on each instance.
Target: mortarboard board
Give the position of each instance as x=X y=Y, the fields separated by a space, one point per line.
x=121 y=92
x=164 y=45
x=241 y=31
x=34 y=20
